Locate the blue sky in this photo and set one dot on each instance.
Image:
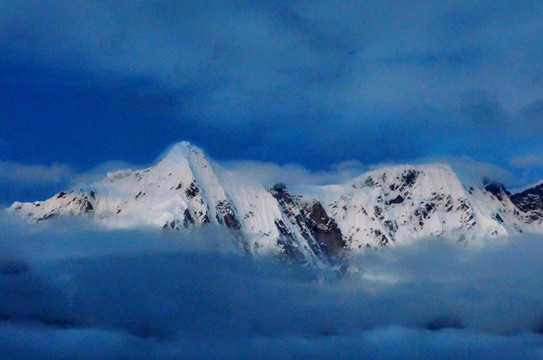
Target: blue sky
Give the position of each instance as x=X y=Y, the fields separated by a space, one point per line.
x=309 y=82
x=333 y=86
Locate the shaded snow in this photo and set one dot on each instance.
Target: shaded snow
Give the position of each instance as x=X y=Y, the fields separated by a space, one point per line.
x=391 y=206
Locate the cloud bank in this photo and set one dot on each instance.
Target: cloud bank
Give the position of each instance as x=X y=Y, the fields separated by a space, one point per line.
x=149 y=295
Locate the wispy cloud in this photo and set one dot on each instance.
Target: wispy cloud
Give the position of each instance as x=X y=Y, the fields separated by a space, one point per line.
x=59 y=177
x=530 y=165
x=270 y=174
x=527 y=161
x=13 y=172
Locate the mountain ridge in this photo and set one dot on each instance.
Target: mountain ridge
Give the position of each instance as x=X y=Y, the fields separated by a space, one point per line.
x=392 y=206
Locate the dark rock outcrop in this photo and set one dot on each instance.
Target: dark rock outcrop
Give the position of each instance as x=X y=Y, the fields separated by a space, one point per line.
x=310 y=219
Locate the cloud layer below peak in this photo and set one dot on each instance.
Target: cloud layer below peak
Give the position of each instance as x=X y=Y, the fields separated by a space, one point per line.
x=156 y=295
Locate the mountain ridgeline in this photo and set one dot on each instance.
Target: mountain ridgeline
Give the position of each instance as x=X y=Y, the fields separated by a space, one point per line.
x=392 y=206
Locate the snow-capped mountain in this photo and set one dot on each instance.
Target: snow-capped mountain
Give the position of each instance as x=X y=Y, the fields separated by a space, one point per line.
x=314 y=224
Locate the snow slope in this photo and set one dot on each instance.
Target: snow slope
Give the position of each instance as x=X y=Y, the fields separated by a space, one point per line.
x=392 y=206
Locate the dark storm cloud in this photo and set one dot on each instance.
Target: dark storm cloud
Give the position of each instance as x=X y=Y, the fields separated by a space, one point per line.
x=371 y=81
x=148 y=295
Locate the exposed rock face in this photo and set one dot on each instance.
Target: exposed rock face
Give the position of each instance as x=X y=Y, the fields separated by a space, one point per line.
x=287 y=239
x=308 y=217
x=313 y=224
x=227 y=216
x=496 y=189
x=530 y=203
x=293 y=211
x=323 y=227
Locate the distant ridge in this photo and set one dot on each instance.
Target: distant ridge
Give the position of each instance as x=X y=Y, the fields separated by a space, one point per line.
x=393 y=206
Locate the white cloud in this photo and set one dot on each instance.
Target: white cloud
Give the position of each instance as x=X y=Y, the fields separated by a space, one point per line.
x=99 y=172
x=270 y=174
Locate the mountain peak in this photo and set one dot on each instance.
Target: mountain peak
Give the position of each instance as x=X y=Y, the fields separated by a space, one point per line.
x=181 y=153
x=384 y=207
x=181 y=149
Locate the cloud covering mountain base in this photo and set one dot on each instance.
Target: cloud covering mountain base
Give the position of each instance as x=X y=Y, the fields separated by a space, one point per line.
x=145 y=295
